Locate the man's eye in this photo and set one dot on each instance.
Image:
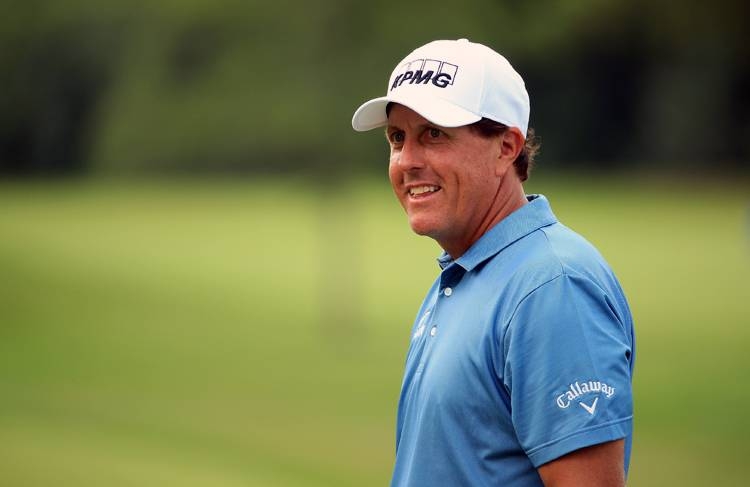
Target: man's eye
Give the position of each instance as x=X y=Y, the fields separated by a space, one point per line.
x=435 y=133
x=397 y=137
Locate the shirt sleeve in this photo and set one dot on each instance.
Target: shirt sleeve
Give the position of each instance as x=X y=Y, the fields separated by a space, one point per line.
x=567 y=369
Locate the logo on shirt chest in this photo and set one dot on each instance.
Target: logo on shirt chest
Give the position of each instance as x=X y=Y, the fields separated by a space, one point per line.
x=422 y=325
x=586 y=394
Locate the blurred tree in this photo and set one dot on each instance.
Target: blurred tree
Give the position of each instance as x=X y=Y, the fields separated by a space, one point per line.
x=52 y=72
x=234 y=86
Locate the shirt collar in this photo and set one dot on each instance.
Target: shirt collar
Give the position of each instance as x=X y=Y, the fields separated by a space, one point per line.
x=525 y=220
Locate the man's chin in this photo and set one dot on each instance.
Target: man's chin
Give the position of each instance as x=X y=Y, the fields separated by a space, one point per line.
x=423 y=228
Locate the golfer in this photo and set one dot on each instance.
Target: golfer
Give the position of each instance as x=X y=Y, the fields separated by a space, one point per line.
x=521 y=356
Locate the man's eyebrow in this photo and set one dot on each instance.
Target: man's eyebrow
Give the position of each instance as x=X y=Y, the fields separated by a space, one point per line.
x=390 y=128
x=420 y=127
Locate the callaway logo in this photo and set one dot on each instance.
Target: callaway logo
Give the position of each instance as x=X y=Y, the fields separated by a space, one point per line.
x=577 y=390
x=439 y=73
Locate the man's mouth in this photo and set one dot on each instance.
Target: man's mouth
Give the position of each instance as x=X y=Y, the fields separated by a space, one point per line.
x=422 y=190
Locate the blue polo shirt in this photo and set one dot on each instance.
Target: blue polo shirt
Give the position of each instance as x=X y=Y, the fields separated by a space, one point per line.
x=522 y=352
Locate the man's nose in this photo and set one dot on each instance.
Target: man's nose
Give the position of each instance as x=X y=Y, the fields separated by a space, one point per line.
x=411 y=155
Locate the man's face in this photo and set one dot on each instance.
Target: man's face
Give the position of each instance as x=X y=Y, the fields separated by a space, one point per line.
x=447 y=179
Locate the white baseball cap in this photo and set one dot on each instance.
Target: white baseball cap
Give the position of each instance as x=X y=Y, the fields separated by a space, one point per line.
x=452 y=83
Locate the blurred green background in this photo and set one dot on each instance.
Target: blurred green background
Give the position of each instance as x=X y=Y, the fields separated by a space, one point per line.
x=204 y=277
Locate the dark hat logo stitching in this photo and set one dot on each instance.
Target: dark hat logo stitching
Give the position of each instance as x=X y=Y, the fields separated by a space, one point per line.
x=424 y=71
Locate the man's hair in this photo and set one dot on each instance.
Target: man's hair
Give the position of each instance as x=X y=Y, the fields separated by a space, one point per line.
x=525 y=160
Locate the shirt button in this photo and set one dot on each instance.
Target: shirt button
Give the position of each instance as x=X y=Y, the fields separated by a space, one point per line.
x=433 y=331
x=448 y=291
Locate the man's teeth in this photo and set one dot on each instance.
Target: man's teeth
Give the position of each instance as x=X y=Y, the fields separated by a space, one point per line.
x=422 y=189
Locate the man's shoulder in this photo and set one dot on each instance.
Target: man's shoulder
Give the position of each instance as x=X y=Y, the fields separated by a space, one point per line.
x=571 y=250
x=549 y=253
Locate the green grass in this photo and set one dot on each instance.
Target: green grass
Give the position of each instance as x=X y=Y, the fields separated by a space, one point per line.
x=253 y=333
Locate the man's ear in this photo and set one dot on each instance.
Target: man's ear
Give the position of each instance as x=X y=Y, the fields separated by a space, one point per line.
x=511 y=144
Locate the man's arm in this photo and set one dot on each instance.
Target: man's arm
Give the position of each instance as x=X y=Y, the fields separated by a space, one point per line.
x=594 y=466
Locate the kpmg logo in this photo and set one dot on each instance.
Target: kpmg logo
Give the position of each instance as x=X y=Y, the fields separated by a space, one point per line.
x=424 y=71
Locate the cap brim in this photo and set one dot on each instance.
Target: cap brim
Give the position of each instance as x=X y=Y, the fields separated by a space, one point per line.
x=372 y=114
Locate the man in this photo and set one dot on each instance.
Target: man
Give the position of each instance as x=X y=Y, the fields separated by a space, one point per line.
x=520 y=362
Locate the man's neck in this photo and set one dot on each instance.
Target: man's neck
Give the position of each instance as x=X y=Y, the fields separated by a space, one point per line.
x=509 y=198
